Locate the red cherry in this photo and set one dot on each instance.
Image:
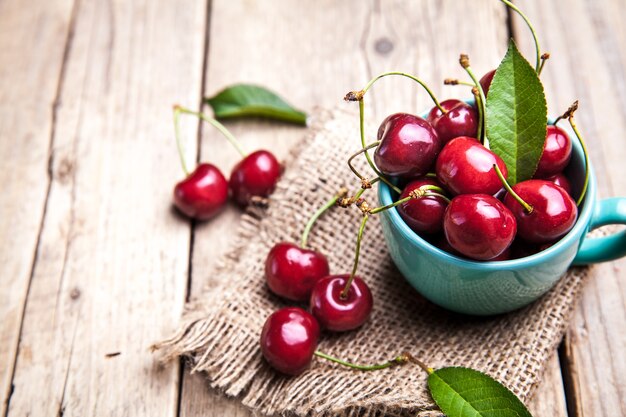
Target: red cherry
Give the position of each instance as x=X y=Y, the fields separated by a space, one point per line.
x=289 y=339
x=408 y=146
x=459 y=120
x=554 y=212
x=561 y=180
x=336 y=313
x=479 y=226
x=254 y=176
x=465 y=166
x=557 y=151
x=485 y=81
x=292 y=271
x=423 y=214
x=203 y=193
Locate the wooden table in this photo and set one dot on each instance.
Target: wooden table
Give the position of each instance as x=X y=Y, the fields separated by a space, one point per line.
x=94 y=261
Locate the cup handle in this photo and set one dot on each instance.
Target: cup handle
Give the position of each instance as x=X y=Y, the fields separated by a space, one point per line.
x=602 y=249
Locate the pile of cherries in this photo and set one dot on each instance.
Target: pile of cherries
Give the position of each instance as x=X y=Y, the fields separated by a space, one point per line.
x=337 y=303
x=204 y=192
x=474 y=213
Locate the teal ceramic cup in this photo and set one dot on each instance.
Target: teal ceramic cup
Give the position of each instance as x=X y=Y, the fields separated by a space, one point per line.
x=485 y=288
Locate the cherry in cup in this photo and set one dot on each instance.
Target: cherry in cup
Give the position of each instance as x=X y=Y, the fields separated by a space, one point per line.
x=460 y=119
x=557 y=151
x=423 y=214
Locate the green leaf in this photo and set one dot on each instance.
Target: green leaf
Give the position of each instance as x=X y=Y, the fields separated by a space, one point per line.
x=464 y=392
x=246 y=100
x=517 y=115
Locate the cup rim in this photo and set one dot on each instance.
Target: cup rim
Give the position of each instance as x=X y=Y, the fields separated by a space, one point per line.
x=582 y=222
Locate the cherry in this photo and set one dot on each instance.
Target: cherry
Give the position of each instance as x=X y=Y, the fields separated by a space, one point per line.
x=337 y=313
x=203 y=193
x=289 y=339
x=485 y=81
x=479 y=226
x=422 y=214
x=557 y=151
x=553 y=211
x=291 y=271
x=408 y=146
x=465 y=166
x=460 y=119
x=254 y=176
x=561 y=180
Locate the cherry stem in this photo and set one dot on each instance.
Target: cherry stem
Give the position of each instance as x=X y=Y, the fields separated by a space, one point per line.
x=568 y=113
x=454 y=81
x=367 y=155
x=465 y=63
x=527 y=207
x=479 y=108
x=181 y=153
x=354 y=155
x=398 y=360
x=330 y=203
x=532 y=30
x=217 y=125
x=423 y=191
x=544 y=58
x=586 y=153
x=358 y=95
x=344 y=292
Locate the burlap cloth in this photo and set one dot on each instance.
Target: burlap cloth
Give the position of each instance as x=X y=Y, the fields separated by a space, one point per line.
x=221 y=329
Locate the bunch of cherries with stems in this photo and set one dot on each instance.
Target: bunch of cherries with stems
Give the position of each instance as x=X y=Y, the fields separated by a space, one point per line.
x=204 y=192
x=452 y=183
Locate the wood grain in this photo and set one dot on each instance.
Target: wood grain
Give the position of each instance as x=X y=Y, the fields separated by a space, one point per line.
x=588 y=45
x=110 y=274
x=28 y=97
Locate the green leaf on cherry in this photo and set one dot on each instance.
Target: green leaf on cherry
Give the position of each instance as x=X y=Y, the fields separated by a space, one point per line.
x=516 y=115
x=464 y=392
x=246 y=100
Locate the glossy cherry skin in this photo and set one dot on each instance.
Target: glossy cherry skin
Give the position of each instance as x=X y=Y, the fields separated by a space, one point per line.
x=289 y=339
x=485 y=81
x=423 y=214
x=459 y=120
x=479 y=226
x=408 y=146
x=254 y=176
x=561 y=180
x=291 y=271
x=464 y=166
x=554 y=211
x=203 y=193
x=557 y=151
x=335 y=313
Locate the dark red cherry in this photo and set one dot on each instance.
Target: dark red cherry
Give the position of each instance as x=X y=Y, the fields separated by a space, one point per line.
x=423 y=214
x=254 y=176
x=479 y=226
x=561 y=180
x=485 y=81
x=289 y=339
x=464 y=166
x=459 y=120
x=554 y=212
x=336 y=313
x=408 y=146
x=291 y=271
x=557 y=151
x=203 y=193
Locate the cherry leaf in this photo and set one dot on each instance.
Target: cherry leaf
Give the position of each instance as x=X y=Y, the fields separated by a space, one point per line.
x=246 y=100
x=516 y=115
x=464 y=392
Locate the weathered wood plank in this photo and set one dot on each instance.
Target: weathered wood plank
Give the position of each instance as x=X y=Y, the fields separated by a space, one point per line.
x=316 y=60
x=111 y=273
x=588 y=45
x=549 y=401
x=32 y=43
